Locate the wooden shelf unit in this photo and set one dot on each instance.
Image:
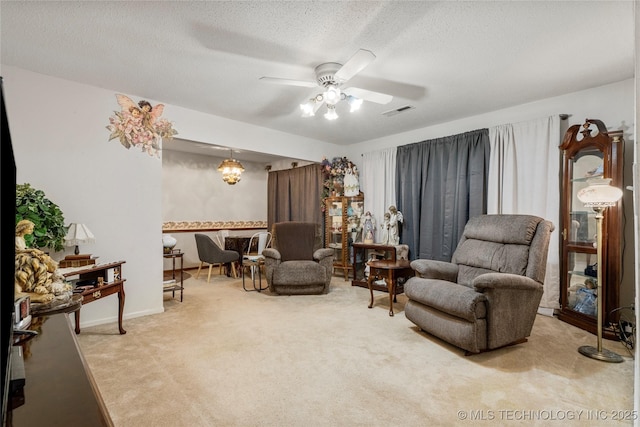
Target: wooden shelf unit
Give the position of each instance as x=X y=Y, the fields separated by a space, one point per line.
x=340 y=211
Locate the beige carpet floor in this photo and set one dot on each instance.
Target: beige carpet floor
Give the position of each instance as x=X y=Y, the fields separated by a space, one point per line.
x=226 y=357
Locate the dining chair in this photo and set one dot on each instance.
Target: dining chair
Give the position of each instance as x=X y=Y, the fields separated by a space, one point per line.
x=254 y=258
x=209 y=252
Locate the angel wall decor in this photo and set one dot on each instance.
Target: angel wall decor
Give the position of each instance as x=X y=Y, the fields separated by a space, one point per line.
x=140 y=125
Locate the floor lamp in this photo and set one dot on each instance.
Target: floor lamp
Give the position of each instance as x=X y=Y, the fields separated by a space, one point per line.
x=599 y=195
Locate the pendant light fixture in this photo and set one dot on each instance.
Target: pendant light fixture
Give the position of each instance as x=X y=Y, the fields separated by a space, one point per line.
x=231 y=170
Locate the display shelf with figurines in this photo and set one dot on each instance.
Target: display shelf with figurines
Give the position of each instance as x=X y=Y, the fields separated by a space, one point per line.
x=343 y=228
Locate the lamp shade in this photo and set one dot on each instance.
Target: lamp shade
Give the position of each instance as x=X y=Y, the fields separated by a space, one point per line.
x=78 y=234
x=599 y=193
x=331 y=112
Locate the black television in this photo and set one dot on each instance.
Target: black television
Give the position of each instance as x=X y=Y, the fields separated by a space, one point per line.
x=7 y=250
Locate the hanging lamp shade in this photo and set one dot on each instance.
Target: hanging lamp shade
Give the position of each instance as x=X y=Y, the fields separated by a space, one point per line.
x=231 y=170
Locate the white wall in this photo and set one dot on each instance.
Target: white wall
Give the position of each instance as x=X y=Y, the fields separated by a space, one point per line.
x=613 y=104
x=61 y=147
x=194 y=190
x=205 y=128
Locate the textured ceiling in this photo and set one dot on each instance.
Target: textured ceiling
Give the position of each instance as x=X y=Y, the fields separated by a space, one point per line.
x=447 y=59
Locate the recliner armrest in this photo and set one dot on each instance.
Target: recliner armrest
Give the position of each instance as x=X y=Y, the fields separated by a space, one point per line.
x=271 y=253
x=432 y=269
x=322 y=253
x=512 y=304
x=498 y=281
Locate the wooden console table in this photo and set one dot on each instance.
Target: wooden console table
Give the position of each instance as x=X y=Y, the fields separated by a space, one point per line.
x=101 y=280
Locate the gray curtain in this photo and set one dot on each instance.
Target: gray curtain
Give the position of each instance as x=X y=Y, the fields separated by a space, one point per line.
x=440 y=184
x=295 y=195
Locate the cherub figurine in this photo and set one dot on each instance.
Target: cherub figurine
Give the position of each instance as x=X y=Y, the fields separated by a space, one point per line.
x=149 y=114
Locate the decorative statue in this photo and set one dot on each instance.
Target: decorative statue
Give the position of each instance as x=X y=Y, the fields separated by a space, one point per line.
x=354 y=227
x=395 y=225
x=386 y=224
x=351 y=184
x=36 y=272
x=368 y=226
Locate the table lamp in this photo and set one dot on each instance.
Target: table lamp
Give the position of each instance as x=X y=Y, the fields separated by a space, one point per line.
x=77 y=234
x=599 y=195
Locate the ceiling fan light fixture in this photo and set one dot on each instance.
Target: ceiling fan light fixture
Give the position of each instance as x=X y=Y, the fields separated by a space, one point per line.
x=307 y=109
x=331 y=112
x=354 y=103
x=231 y=170
x=330 y=76
x=332 y=95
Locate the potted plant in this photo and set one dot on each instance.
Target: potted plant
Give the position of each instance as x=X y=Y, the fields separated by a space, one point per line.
x=49 y=229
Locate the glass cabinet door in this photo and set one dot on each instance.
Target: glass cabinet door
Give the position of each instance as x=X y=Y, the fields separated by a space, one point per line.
x=581 y=251
x=334 y=214
x=355 y=207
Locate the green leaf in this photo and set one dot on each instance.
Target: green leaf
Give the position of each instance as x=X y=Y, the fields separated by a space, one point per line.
x=48 y=219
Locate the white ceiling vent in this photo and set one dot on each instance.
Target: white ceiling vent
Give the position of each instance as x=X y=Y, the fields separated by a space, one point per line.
x=398 y=110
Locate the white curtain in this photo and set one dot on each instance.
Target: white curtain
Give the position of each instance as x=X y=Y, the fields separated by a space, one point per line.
x=524 y=178
x=378 y=183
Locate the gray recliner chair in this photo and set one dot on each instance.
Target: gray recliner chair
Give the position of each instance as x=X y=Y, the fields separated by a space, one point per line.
x=297 y=263
x=488 y=295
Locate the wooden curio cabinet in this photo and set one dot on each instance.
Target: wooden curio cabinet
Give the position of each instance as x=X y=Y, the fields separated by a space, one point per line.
x=341 y=228
x=589 y=153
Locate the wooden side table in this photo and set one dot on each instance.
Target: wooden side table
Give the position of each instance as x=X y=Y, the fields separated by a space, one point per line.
x=175 y=254
x=358 y=267
x=390 y=271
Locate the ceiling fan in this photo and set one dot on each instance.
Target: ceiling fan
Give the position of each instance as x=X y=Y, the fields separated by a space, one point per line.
x=330 y=76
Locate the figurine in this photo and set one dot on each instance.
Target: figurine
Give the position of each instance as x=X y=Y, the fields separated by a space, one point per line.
x=395 y=223
x=36 y=272
x=386 y=224
x=351 y=184
x=368 y=226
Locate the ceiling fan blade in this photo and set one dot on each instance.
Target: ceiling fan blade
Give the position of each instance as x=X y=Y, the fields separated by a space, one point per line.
x=369 y=95
x=289 y=82
x=354 y=65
